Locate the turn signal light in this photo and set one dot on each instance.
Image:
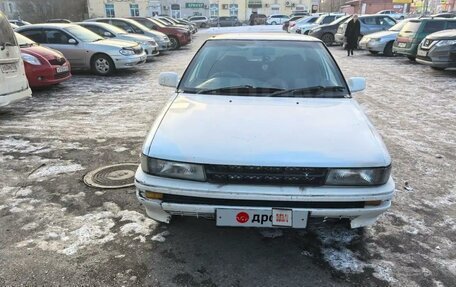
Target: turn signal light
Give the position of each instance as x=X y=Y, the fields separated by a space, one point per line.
x=373 y=202
x=153 y=195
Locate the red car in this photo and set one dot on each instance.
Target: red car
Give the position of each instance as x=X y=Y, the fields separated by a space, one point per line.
x=178 y=35
x=43 y=66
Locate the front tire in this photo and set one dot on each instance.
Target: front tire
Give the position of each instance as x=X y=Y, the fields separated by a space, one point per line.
x=373 y=52
x=328 y=39
x=174 y=43
x=411 y=58
x=437 y=68
x=274 y=23
x=102 y=65
x=388 y=51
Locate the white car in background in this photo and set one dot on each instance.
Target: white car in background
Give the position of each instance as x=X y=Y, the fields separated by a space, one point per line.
x=263 y=131
x=392 y=14
x=13 y=81
x=277 y=19
x=294 y=26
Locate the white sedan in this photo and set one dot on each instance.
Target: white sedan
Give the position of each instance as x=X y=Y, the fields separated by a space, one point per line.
x=263 y=131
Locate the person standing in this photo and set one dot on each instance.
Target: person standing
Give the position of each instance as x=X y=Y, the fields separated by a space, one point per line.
x=352 y=34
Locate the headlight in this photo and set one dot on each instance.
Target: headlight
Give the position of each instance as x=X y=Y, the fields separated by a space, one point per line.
x=32 y=60
x=152 y=43
x=445 y=43
x=172 y=169
x=358 y=176
x=375 y=40
x=127 y=52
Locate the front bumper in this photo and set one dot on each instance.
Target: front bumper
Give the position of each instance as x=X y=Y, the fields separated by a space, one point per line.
x=438 y=57
x=126 y=62
x=316 y=199
x=370 y=45
x=339 y=38
x=41 y=76
x=164 y=46
x=151 y=51
x=9 y=98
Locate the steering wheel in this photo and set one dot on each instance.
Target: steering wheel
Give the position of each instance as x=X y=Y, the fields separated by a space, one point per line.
x=226 y=74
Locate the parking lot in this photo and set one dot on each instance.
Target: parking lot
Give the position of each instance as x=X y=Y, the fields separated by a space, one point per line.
x=58 y=231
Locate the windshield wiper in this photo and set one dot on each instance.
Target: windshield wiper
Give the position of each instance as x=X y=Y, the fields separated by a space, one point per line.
x=3 y=45
x=308 y=90
x=243 y=89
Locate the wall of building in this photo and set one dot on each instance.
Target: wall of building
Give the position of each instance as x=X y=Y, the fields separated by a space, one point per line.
x=122 y=8
x=9 y=8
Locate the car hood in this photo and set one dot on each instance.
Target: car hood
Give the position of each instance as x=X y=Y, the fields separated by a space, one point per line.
x=114 y=43
x=266 y=131
x=134 y=38
x=383 y=34
x=47 y=53
x=441 y=35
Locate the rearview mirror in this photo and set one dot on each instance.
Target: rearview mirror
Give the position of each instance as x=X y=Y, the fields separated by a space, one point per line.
x=356 y=84
x=168 y=79
x=107 y=34
x=72 y=41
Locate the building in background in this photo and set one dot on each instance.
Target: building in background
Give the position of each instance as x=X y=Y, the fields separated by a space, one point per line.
x=9 y=8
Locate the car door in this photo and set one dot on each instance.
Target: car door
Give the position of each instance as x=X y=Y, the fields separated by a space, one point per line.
x=385 y=22
x=61 y=41
x=369 y=25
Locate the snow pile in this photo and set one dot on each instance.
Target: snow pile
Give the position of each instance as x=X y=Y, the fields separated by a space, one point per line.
x=48 y=170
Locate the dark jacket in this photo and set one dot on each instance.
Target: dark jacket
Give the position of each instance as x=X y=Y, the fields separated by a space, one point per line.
x=352 y=33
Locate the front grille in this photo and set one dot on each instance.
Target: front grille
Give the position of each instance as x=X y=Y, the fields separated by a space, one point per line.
x=171 y=198
x=138 y=50
x=57 y=61
x=237 y=174
x=61 y=75
x=427 y=43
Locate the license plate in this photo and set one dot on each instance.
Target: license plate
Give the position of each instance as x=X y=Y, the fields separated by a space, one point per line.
x=402 y=45
x=422 y=53
x=262 y=217
x=9 y=68
x=62 y=69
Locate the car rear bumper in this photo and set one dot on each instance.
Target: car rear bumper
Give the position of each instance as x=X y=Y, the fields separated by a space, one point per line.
x=126 y=62
x=200 y=199
x=377 y=46
x=9 y=98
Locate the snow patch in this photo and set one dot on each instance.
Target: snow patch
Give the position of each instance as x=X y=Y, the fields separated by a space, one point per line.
x=343 y=260
x=161 y=237
x=73 y=197
x=52 y=170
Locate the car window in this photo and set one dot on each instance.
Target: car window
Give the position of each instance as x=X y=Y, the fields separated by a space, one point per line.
x=385 y=21
x=82 y=33
x=266 y=64
x=369 y=20
x=328 y=19
x=6 y=33
x=123 y=25
x=433 y=26
x=56 y=36
x=451 y=25
x=36 y=35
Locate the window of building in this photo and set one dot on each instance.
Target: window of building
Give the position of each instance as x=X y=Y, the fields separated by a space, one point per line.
x=109 y=9
x=214 y=10
x=234 y=8
x=134 y=10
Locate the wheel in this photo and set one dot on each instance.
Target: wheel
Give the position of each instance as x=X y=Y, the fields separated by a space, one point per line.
x=437 y=68
x=411 y=58
x=174 y=43
x=274 y=23
x=102 y=65
x=203 y=25
x=373 y=52
x=328 y=39
x=388 y=51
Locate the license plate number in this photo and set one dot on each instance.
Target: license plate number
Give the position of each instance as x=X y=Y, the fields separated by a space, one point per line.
x=261 y=217
x=402 y=45
x=62 y=69
x=9 y=68
x=422 y=53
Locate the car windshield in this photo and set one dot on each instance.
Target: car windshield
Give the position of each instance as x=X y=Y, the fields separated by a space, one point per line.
x=83 y=34
x=156 y=22
x=339 y=20
x=411 y=27
x=264 y=68
x=398 y=26
x=114 y=29
x=24 y=41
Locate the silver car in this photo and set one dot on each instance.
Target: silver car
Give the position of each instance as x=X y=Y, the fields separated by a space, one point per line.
x=134 y=27
x=85 y=49
x=382 y=42
x=109 y=31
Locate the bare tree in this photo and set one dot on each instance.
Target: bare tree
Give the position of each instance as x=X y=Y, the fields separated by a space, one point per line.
x=37 y=11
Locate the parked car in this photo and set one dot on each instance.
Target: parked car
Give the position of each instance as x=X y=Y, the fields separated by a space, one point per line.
x=106 y=30
x=19 y=22
x=299 y=13
x=200 y=21
x=336 y=168
x=277 y=19
x=259 y=19
x=176 y=23
x=445 y=15
x=178 y=36
x=192 y=26
x=415 y=31
x=131 y=26
x=58 y=21
x=369 y=24
x=43 y=66
x=382 y=42
x=286 y=24
x=392 y=14
x=85 y=49
x=293 y=26
x=323 y=19
x=13 y=81
x=438 y=50
x=326 y=32
x=227 y=21
x=14 y=26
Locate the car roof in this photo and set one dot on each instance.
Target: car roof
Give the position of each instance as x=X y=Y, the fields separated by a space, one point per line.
x=265 y=36
x=48 y=25
x=433 y=19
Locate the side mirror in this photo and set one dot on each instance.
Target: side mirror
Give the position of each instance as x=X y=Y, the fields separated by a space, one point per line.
x=168 y=79
x=107 y=34
x=356 y=84
x=72 y=41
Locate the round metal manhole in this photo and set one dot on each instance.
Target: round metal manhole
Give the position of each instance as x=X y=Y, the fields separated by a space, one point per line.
x=112 y=176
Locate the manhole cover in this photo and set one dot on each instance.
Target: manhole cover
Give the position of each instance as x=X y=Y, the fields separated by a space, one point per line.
x=112 y=176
